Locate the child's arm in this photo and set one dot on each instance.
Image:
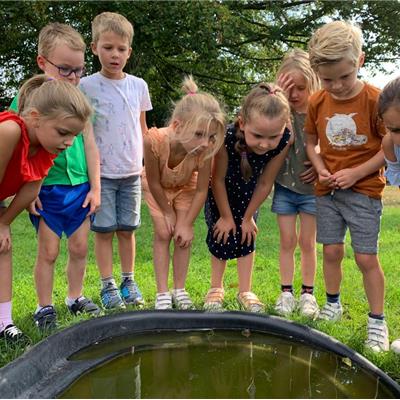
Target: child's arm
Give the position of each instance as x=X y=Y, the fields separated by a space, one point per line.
x=21 y=200
x=143 y=123
x=10 y=134
x=324 y=176
x=93 y=164
x=388 y=148
x=262 y=190
x=154 y=182
x=225 y=223
x=347 y=177
x=184 y=229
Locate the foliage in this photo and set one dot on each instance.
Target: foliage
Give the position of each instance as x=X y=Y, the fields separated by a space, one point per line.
x=227 y=45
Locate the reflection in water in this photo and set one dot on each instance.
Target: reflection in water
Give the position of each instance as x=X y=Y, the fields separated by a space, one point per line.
x=220 y=365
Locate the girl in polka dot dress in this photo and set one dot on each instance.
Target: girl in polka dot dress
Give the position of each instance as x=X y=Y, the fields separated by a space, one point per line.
x=244 y=171
x=175 y=181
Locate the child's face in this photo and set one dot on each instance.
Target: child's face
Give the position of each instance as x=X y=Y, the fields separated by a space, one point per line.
x=113 y=51
x=55 y=135
x=340 y=79
x=61 y=59
x=203 y=137
x=261 y=133
x=299 y=93
x=391 y=119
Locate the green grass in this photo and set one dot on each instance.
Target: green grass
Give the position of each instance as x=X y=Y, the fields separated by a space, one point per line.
x=266 y=283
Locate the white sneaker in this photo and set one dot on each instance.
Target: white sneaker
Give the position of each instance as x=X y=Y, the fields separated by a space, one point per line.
x=331 y=312
x=285 y=304
x=308 y=305
x=396 y=346
x=163 y=301
x=181 y=299
x=378 y=335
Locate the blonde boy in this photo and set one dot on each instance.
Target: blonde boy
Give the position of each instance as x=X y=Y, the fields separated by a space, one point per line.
x=70 y=192
x=342 y=118
x=120 y=101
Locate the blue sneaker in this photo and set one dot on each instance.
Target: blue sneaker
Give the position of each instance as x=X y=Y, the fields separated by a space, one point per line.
x=110 y=297
x=130 y=293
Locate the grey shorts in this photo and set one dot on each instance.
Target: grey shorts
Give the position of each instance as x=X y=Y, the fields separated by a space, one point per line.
x=120 y=205
x=346 y=208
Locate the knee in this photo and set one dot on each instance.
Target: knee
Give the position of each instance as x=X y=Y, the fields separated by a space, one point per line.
x=367 y=262
x=104 y=237
x=162 y=236
x=78 y=250
x=307 y=245
x=333 y=253
x=125 y=235
x=288 y=243
x=48 y=254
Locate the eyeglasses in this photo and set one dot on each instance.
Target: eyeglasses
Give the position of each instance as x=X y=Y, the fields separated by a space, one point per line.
x=67 y=71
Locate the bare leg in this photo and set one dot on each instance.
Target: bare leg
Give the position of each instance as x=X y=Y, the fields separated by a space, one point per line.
x=245 y=271
x=288 y=242
x=333 y=256
x=104 y=253
x=307 y=242
x=127 y=250
x=217 y=272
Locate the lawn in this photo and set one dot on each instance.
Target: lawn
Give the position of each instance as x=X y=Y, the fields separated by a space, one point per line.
x=266 y=283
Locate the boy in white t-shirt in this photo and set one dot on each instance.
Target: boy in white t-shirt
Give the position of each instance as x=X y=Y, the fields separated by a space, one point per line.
x=120 y=101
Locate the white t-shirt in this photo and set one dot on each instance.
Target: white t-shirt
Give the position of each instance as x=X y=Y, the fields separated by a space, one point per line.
x=118 y=104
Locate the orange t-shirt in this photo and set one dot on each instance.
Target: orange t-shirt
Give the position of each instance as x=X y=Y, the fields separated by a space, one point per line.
x=349 y=133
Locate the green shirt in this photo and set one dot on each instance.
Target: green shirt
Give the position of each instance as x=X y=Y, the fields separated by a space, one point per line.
x=70 y=166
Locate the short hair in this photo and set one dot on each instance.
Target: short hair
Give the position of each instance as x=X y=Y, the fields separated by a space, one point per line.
x=265 y=99
x=111 y=22
x=52 y=34
x=389 y=97
x=195 y=108
x=334 y=42
x=53 y=98
x=298 y=60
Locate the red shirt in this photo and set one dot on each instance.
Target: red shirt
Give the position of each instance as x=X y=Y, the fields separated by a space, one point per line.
x=23 y=168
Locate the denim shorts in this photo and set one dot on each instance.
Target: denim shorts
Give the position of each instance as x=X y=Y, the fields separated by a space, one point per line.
x=120 y=205
x=348 y=209
x=2 y=204
x=287 y=202
x=62 y=208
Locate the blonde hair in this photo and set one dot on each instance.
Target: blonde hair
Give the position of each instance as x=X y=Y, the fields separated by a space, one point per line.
x=53 y=98
x=52 y=34
x=298 y=59
x=196 y=108
x=111 y=22
x=266 y=100
x=334 y=42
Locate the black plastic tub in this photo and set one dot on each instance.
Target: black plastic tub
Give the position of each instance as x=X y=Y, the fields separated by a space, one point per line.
x=49 y=368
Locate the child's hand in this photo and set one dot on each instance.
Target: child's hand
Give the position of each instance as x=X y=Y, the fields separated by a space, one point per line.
x=5 y=238
x=345 y=178
x=183 y=235
x=35 y=206
x=92 y=199
x=309 y=175
x=170 y=221
x=326 y=179
x=249 y=231
x=285 y=82
x=222 y=229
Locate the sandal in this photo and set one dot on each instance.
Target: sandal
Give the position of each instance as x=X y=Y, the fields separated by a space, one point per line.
x=250 y=302
x=214 y=299
x=163 y=301
x=181 y=299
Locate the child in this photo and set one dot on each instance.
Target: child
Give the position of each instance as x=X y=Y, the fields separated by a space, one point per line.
x=52 y=113
x=294 y=190
x=121 y=101
x=244 y=171
x=342 y=118
x=178 y=164
x=389 y=111
x=66 y=199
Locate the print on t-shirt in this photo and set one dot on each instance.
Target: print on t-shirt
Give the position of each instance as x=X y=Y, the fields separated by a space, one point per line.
x=341 y=131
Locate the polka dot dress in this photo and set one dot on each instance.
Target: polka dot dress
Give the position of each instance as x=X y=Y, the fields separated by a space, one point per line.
x=239 y=195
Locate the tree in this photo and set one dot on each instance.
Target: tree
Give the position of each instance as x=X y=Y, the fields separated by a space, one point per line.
x=228 y=46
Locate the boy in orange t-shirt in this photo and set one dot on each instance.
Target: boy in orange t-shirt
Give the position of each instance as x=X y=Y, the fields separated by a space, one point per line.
x=342 y=119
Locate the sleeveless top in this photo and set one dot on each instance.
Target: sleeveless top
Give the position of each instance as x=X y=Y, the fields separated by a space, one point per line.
x=23 y=168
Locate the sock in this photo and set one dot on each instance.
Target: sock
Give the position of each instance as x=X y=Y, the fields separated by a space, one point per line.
x=307 y=289
x=333 y=298
x=69 y=301
x=127 y=275
x=287 y=288
x=5 y=315
x=39 y=307
x=106 y=281
x=376 y=316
